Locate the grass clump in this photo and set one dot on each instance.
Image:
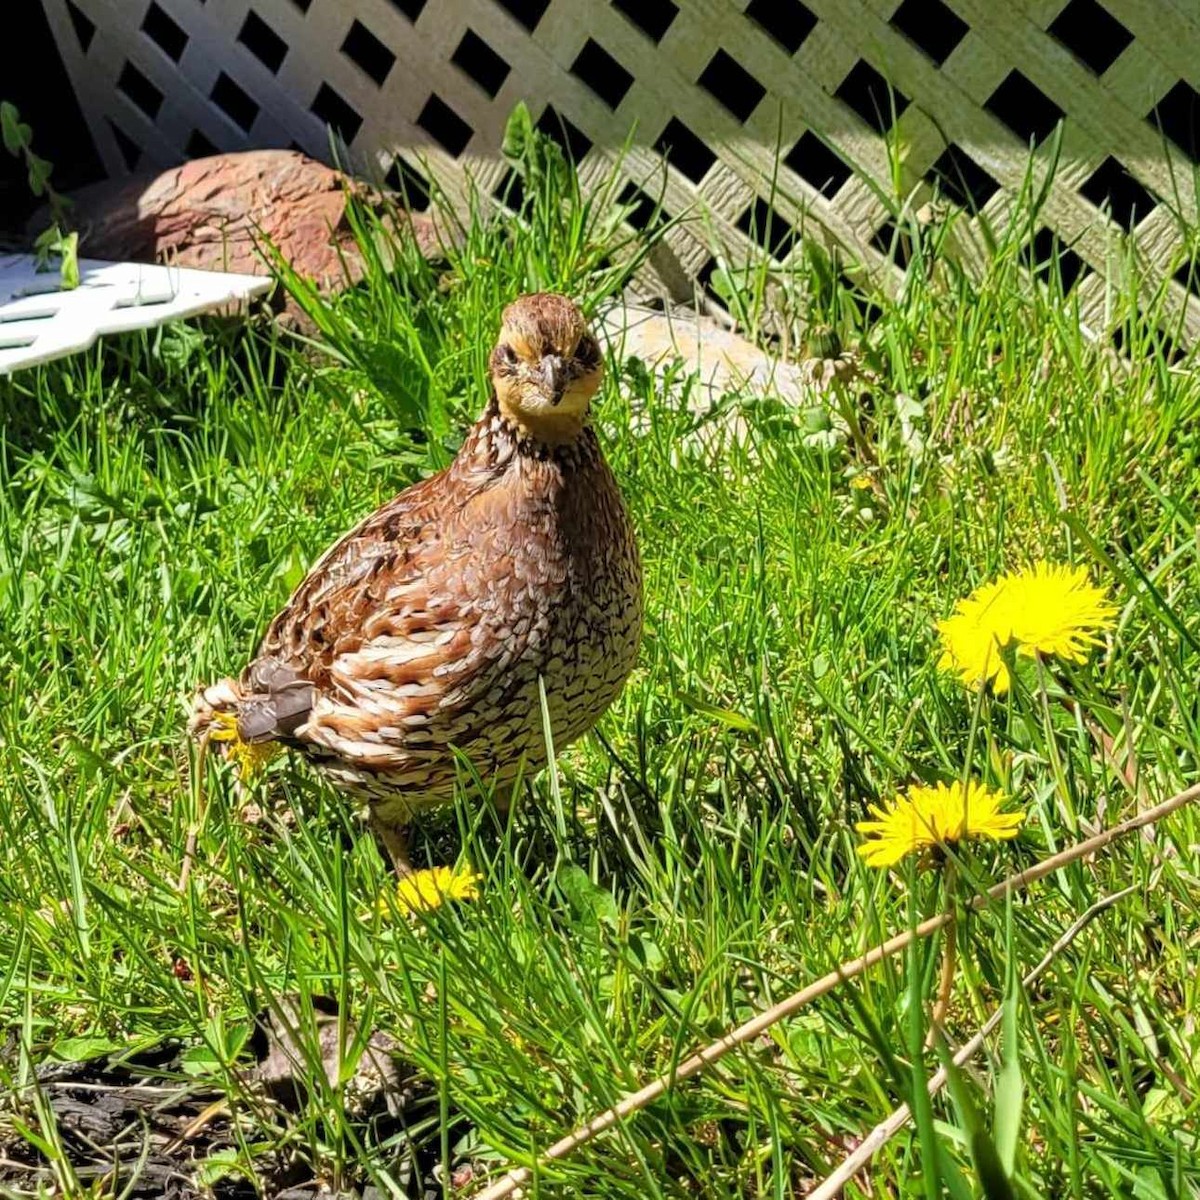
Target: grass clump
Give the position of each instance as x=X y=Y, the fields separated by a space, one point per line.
x=694 y=862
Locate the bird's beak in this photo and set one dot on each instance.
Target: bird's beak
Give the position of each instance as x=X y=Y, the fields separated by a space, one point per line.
x=555 y=376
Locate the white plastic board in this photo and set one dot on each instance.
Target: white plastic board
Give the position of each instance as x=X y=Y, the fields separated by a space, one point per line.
x=39 y=321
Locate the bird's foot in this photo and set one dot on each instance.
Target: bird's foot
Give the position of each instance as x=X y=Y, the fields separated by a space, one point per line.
x=394 y=840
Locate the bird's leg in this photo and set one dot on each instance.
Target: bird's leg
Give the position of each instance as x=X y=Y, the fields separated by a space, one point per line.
x=394 y=839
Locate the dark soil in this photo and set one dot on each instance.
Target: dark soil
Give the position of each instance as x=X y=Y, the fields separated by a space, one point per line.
x=150 y=1132
x=125 y=1122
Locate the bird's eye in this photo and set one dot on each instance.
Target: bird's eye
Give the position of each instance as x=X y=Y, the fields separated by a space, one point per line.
x=587 y=353
x=508 y=355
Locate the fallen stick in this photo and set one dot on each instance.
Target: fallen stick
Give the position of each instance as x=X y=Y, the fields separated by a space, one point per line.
x=515 y=1178
x=193 y=833
x=854 y=1162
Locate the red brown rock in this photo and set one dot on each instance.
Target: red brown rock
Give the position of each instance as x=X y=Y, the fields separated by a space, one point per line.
x=216 y=214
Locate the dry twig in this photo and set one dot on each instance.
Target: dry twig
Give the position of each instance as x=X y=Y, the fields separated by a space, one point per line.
x=189 y=849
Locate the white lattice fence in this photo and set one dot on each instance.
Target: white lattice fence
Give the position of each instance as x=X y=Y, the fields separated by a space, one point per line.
x=714 y=86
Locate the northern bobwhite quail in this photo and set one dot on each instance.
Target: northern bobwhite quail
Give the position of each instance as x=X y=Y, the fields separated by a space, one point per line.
x=426 y=629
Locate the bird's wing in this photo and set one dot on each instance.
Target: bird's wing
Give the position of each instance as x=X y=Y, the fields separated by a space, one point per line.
x=381 y=627
x=330 y=612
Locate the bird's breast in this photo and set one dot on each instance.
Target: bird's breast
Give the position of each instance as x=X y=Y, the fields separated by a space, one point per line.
x=540 y=578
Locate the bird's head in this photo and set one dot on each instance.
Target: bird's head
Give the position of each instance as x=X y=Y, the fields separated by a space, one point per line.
x=546 y=367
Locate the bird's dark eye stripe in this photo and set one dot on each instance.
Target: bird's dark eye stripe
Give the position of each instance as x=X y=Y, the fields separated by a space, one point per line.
x=508 y=353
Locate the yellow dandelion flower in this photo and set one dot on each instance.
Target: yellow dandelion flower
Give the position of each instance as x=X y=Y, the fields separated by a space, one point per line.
x=932 y=816
x=423 y=891
x=1047 y=610
x=248 y=758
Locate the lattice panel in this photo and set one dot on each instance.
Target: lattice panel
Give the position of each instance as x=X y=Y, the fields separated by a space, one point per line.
x=39 y=321
x=710 y=86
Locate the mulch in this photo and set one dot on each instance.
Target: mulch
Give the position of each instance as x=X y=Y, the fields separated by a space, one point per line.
x=125 y=1122
x=146 y=1129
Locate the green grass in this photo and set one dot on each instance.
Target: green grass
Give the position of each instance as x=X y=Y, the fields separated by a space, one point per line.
x=693 y=863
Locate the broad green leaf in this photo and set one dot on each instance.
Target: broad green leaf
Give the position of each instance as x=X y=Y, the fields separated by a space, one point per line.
x=722 y=282
x=1148 y=1185
x=199 y=1060
x=647 y=952
x=518 y=133
x=218 y=1165
x=1010 y=1086
x=39 y=173
x=84 y=1048
x=726 y=716
x=14 y=133
x=992 y=1176
x=590 y=902
x=292 y=568
x=815 y=419
x=68 y=247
